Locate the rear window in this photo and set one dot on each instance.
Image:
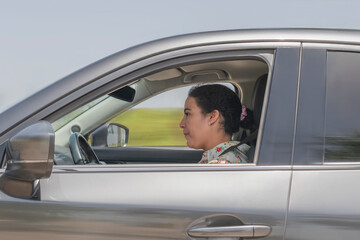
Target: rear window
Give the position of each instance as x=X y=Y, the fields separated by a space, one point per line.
x=342 y=111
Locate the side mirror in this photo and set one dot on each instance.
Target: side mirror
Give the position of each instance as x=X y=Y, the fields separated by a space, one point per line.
x=110 y=135
x=30 y=157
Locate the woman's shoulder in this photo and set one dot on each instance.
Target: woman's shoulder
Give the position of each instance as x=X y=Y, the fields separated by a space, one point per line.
x=233 y=157
x=233 y=152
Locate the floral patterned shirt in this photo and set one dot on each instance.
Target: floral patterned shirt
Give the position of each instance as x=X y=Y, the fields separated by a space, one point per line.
x=237 y=155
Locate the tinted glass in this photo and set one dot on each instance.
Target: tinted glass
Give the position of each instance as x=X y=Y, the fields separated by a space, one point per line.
x=342 y=111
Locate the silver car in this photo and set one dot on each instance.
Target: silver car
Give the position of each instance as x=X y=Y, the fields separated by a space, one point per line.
x=99 y=154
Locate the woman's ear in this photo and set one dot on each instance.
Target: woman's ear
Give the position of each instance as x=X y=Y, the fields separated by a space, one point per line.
x=213 y=116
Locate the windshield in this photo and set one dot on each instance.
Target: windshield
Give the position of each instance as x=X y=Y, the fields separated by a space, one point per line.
x=72 y=115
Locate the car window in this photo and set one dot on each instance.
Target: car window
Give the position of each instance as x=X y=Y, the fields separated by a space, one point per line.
x=342 y=111
x=155 y=122
x=74 y=114
x=144 y=127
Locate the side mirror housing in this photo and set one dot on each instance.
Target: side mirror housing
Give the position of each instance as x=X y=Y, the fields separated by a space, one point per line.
x=110 y=135
x=30 y=157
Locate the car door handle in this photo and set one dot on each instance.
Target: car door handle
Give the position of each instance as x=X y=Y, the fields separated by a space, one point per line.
x=245 y=231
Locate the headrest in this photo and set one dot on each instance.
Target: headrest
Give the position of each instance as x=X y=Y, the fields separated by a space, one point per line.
x=258 y=97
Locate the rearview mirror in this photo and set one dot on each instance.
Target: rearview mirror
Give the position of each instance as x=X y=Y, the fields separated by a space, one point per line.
x=30 y=157
x=126 y=94
x=110 y=135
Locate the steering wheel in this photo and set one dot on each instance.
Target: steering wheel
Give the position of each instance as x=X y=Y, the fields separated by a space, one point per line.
x=81 y=151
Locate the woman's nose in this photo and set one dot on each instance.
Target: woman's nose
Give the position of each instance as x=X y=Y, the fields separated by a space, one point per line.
x=182 y=123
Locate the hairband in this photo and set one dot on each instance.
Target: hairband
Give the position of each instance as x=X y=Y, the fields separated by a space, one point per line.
x=243 y=112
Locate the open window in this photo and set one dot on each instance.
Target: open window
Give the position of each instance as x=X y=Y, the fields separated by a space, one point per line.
x=139 y=122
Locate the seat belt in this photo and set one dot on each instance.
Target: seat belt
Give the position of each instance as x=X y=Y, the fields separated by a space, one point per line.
x=249 y=138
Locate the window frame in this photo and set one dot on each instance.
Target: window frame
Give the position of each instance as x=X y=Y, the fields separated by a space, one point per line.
x=290 y=73
x=263 y=54
x=317 y=62
x=150 y=65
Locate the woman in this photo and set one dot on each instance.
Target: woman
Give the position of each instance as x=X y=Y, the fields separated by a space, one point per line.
x=212 y=113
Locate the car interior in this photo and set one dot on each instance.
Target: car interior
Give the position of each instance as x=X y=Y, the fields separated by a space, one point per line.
x=247 y=76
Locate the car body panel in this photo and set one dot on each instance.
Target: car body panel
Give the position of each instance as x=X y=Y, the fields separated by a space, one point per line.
x=324 y=203
x=323 y=199
x=175 y=194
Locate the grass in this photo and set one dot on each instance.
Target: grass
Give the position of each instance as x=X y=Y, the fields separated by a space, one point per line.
x=153 y=126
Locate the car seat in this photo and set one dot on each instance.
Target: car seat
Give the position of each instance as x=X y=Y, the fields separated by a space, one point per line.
x=257 y=105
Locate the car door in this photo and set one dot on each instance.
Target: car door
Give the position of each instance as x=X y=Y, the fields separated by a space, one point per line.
x=324 y=198
x=179 y=201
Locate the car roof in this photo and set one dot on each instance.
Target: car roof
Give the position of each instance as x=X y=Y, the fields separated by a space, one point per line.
x=19 y=112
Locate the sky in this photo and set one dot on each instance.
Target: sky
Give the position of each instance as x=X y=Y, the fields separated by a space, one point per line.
x=42 y=41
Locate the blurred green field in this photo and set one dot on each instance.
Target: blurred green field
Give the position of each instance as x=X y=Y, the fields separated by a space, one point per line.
x=153 y=126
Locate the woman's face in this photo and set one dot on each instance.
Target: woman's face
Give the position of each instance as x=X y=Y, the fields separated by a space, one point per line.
x=195 y=125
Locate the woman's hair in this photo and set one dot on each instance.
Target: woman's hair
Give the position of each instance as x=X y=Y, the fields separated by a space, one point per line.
x=248 y=122
x=218 y=97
